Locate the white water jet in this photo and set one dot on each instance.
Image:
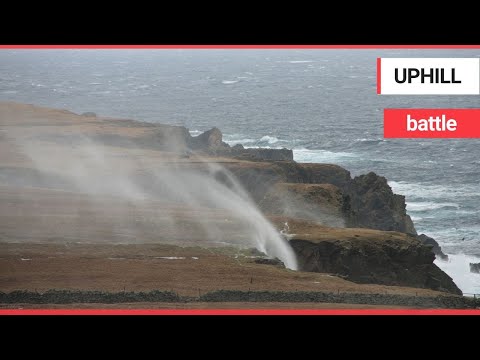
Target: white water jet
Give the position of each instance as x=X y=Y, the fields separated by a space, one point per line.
x=201 y=190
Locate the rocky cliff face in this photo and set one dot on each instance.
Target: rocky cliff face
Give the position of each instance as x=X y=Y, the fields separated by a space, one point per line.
x=371 y=203
x=367 y=256
x=475 y=268
x=389 y=263
x=258 y=154
x=326 y=174
x=209 y=140
x=433 y=244
x=366 y=201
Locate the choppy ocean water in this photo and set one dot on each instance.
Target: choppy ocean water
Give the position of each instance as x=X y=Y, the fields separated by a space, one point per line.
x=320 y=103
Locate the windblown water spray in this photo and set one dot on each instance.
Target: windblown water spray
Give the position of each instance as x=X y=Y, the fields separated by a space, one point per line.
x=210 y=198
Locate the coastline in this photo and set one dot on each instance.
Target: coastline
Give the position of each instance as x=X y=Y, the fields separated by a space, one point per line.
x=371 y=203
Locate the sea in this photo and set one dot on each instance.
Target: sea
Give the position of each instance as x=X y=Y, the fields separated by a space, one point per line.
x=320 y=103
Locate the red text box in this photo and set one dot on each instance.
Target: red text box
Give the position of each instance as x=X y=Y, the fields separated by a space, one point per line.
x=431 y=123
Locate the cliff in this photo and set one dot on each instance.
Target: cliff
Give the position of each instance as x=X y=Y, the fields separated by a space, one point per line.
x=354 y=227
x=433 y=244
x=365 y=201
x=366 y=256
x=371 y=203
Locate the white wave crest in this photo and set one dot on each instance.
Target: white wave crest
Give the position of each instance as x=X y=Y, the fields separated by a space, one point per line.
x=195 y=132
x=320 y=156
x=425 y=206
x=234 y=141
x=458 y=267
x=416 y=218
x=367 y=140
x=269 y=139
x=419 y=190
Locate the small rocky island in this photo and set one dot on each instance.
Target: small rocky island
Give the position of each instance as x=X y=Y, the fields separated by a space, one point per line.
x=475 y=268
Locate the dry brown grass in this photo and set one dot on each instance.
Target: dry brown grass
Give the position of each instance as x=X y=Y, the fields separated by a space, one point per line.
x=141 y=268
x=311 y=231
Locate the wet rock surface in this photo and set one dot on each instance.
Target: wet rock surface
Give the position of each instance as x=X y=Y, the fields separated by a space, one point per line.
x=475 y=268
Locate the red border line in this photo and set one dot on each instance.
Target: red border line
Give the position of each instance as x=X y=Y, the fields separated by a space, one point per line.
x=379 y=76
x=240 y=311
x=187 y=46
x=235 y=312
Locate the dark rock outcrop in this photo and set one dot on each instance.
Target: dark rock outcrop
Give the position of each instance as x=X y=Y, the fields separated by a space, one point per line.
x=371 y=203
x=261 y=154
x=475 y=268
x=209 y=140
x=326 y=174
x=269 y=261
x=386 y=258
x=431 y=242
